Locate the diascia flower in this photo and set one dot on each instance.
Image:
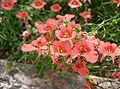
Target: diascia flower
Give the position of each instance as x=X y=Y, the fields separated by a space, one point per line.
x=56 y=8
x=109 y=49
x=80 y=67
x=66 y=17
x=94 y=41
x=21 y=15
x=87 y=85
x=38 y=4
x=38 y=45
x=26 y=34
x=85 y=49
x=49 y=26
x=116 y=75
x=74 y=25
x=65 y=33
x=59 y=48
x=116 y=2
x=86 y=15
x=74 y=4
x=7 y=4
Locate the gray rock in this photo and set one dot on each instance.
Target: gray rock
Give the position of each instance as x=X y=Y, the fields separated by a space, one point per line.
x=106 y=83
x=20 y=77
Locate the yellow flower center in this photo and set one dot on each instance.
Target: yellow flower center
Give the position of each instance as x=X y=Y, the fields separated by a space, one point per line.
x=38 y=3
x=74 y=2
x=59 y=49
x=65 y=34
x=109 y=50
x=37 y=45
x=82 y=49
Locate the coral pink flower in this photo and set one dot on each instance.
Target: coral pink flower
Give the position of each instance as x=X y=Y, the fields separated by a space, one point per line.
x=86 y=15
x=94 y=41
x=74 y=25
x=39 y=45
x=109 y=49
x=116 y=2
x=84 y=35
x=87 y=85
x=80 y=67
x=85 y=49
x=38 y=4
x=116 y=75
x=65 y=33
x=58 y=48
x=88 y=1
x=26 y=34
x=7 y=4
x=66 y=17
x=28 y=48
x=21 y=15
x=38 y=23
x=56 y=8
x=49 y=26
x=74 y=4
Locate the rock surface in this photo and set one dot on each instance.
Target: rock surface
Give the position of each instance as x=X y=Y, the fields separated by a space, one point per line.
x=24 y=76
x=106 y=83
x=21 y=77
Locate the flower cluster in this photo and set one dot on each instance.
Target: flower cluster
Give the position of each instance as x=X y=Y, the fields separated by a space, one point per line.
x=63 y=39
x=70 y=43
x=39 y=4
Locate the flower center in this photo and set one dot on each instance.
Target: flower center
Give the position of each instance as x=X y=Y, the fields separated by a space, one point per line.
x=109 y=50
x=66 y=34
x=59 y=49
x=37 y=45
x=56 y=7
x=48 y=27
x=75 y=3
x=82 y=49
x=38 y=3
x=7 y=4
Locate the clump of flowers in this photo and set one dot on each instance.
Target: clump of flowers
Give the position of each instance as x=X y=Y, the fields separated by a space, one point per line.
x=71 y=45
